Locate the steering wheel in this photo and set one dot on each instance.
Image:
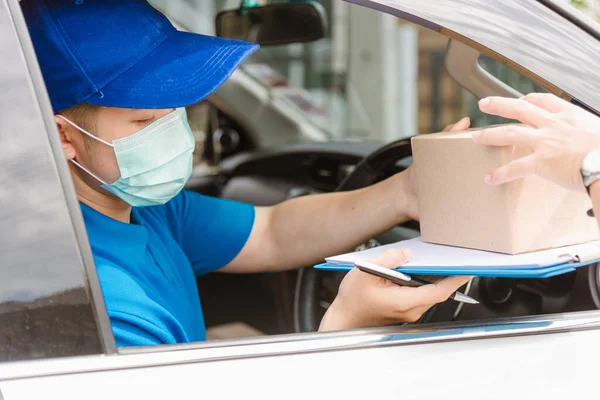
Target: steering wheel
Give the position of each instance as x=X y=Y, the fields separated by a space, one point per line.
x=310 y=301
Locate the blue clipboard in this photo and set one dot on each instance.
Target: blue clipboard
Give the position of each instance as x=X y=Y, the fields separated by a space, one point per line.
x=545 y=272
x=443 y=260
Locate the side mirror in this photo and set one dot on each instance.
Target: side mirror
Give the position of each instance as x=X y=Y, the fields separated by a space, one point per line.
x=273 y=24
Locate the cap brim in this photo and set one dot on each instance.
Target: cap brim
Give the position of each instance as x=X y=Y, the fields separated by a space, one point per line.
x=183 y=70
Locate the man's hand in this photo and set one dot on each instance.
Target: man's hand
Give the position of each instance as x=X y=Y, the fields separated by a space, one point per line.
x=365 y=300
x=557 y=137
x=411 y=205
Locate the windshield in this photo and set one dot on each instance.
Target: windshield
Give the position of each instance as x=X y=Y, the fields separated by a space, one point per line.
x=312 y=77
x=373 y=76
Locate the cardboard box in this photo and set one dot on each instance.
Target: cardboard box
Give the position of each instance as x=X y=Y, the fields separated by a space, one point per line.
x=457 y=208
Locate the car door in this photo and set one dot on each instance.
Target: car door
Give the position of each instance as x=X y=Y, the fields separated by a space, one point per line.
x=46 y=262
x=50 y=301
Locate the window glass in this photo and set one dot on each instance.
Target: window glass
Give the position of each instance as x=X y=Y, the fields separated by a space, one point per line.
x=327 y=84
x=507 y=75
x=45 y=289
x=344 y=84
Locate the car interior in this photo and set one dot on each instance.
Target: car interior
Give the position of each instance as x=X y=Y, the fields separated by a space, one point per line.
x=268 y=136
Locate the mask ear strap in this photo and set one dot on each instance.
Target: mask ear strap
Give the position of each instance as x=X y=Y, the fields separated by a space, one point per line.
x=89 y=172
x=84 y=131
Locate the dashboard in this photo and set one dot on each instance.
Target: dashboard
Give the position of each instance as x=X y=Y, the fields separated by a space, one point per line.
x=268 y=177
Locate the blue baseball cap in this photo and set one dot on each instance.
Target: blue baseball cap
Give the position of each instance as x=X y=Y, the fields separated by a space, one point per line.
x=125 y=53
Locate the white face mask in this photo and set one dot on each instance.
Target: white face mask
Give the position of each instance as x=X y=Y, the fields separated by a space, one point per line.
x=155 y=163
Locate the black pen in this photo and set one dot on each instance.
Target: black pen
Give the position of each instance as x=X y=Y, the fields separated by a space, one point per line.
x=402 y=279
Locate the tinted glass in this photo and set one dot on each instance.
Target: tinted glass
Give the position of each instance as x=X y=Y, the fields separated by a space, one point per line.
x=45 y=296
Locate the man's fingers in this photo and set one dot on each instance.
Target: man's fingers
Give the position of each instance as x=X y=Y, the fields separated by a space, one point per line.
x=516 y=169
x=441 y=290
x=436 y=292
x=416 y=313
x=508 y=135
x=461 y=125
x=517 y=109
x=392 y=258
x=451 y=284
x=548 y=102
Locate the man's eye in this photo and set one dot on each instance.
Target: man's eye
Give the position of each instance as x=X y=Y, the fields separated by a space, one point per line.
x=145 y=121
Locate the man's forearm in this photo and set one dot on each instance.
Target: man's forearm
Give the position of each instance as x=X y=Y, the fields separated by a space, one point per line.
x=307 y=229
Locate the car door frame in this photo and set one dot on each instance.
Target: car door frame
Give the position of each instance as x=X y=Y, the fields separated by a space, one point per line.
x=536 y=358
x=47 y=262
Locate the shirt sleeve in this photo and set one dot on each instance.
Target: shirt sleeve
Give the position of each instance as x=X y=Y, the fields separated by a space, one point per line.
x=211 y=231
x=135 y=318
x=128 y=334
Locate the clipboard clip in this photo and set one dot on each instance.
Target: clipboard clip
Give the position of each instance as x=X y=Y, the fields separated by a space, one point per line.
x=579 y=258
x=568 y=258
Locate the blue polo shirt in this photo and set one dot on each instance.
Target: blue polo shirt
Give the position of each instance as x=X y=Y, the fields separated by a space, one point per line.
x=147 y=268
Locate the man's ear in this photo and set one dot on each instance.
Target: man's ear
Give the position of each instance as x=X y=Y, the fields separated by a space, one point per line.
x=66 y=137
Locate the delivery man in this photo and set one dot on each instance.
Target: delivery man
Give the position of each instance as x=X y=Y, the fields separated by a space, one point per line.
x=119 y=76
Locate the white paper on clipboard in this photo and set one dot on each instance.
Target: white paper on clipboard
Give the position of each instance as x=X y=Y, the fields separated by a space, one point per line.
x=427 y=255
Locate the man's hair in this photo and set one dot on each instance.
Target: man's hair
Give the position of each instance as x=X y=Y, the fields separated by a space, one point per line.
x=84 y=116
